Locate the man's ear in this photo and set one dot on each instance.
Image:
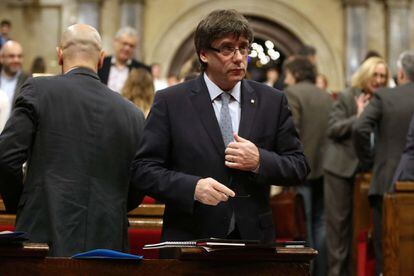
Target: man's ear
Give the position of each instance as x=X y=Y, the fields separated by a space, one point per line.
x=101 y=58
x=203 y=56
x=401 y=76
x=59 y=55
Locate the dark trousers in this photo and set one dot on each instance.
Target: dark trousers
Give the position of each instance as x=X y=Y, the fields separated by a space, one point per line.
x=376 y=205
x=339 y=194
x=313 y=199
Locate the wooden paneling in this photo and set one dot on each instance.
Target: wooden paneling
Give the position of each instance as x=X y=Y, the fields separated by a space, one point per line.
x=398 y=234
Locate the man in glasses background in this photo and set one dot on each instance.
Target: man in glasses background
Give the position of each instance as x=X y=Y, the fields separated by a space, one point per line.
x=212 y=146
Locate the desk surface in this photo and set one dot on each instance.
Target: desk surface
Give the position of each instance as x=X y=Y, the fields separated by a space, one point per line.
x=287 y=262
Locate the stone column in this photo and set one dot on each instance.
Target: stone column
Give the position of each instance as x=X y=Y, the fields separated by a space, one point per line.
x=356 y=38
x=398 y=30
x=110 y=17
x=132 y=14
x=88 y=12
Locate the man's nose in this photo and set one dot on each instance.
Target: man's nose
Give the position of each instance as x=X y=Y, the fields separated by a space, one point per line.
x=237 y=55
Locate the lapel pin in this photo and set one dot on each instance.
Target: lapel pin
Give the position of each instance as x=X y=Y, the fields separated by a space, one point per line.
x=252 y=101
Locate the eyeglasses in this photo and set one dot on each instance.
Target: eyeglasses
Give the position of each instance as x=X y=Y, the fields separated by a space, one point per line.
x=230 y=51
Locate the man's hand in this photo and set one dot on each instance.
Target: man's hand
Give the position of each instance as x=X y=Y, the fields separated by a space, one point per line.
x=211 y=192
x=242 y=154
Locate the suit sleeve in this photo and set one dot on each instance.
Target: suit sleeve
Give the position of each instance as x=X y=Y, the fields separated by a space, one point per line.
x=286 y=164
x=135 y=196
x=151 y=168
x=15 y=142
x=363 y=128
x=341 y=119
x=405 y=169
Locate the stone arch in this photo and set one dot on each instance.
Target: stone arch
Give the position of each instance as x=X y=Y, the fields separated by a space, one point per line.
x=178 y=35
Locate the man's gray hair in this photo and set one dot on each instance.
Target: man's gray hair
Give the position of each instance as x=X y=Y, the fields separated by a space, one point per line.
x=126 y=31
x=406 y=63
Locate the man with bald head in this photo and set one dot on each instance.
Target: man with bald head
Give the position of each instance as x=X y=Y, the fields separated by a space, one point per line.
x=78 y=138
x=12 y=76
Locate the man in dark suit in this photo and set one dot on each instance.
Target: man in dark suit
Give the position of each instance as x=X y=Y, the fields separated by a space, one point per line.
x=388 y=116
x=12 y=76
x=310 y=108
x=212 y=185
x=79 y=139
x=115 y=69
x=405 y=169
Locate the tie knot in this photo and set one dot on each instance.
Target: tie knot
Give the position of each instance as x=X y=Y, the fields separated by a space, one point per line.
x=225 y=97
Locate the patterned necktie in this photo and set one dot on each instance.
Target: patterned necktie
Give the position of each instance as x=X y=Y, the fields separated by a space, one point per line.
x=225 y=119
x=226 y=128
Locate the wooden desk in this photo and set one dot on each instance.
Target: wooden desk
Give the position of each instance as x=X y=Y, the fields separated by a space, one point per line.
x=145 y=216
x=287 y=262
x=398 y=230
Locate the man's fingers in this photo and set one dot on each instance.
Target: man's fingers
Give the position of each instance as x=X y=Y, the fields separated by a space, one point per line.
x=237 y=138
x=223 y=189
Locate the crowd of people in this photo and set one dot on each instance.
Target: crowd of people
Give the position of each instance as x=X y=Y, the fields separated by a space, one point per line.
x=210 y=147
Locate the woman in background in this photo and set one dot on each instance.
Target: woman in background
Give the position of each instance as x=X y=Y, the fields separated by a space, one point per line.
x=341 y=163
x=139 y=89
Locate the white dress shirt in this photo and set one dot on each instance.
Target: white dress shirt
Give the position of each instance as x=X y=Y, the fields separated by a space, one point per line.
x=234 y=104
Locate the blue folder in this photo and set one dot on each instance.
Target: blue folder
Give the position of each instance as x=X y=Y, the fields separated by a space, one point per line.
x=106 y=254
x=12 y=236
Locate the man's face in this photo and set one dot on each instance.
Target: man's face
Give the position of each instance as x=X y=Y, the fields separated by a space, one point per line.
x=12 y=58
x=289 y=79
x=124 y=47
x=5 y=30
x=226 y=71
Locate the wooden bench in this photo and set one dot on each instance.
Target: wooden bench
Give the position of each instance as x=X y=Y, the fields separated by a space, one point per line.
x=398 y=230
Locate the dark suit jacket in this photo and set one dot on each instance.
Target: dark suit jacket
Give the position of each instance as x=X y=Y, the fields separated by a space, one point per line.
x=405 y=169
x=103 y=72
x=310 y=109
x=182 y=143
x=79 y=139
x=340 y=158
x=20 y=81
x=389 y=112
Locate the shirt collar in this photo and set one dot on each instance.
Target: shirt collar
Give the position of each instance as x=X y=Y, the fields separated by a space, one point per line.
x=3 y=75
x=113 y=61
x=216 y=91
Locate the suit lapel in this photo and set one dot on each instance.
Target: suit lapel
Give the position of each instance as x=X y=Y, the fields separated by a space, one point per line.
x=204 y=109
x=248 y=109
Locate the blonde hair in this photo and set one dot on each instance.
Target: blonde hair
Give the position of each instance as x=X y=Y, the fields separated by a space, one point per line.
x=139 y=89
x=366 y=71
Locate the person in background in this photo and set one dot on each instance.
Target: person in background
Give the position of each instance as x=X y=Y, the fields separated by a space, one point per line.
x=5 y=28
x=272 y=74
x=405 y=168
x=78 y=138
x=387 y=117
x=208 y=151
x=341 y=163
x=139 y=89
x=159 y=83
x=322 y=82
x=172 y=80
x=38 y=66
x=308 y=52
x=310 y=107
x=12 y=75
x=4 y=110
x=116 y=68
